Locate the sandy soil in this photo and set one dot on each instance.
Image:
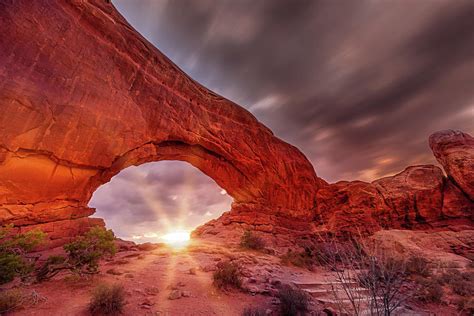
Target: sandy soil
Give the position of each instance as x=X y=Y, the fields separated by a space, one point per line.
x=143 y=273
x=150 y=276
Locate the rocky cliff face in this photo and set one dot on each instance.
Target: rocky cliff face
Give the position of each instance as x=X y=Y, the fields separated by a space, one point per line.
x=418 y=198
x=83 y=96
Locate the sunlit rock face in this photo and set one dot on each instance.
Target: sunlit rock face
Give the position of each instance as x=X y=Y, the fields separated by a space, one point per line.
x=83 y=96
x=418 y=198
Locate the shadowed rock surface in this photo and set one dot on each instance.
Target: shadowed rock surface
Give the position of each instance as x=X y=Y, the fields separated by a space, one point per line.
x=83 y=96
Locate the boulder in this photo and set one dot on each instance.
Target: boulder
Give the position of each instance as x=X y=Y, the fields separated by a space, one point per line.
x=454 y=150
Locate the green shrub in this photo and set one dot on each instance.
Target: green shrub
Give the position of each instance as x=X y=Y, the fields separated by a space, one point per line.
x=293 y=302
x=10 y=300
x=13 y=250
x=82 y=255
x=227 y=275
x=107 y=300
x=85 y=252
x=251 y=241
x=254 y=311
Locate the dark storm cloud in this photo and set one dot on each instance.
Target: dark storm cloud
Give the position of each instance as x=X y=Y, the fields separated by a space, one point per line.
x=358 y=86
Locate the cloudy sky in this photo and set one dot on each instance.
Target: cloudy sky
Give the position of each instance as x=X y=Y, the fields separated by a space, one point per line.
x=358 y=86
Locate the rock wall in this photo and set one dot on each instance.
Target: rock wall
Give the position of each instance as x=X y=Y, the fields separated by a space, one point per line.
x=418 y=198
x=83 y=96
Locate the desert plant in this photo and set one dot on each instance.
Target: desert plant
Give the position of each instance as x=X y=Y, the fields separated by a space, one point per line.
x=107 y=300
x=466 y=304
x=462 y=283
x=10 y=300
x=14 y=248
x=85 y=252
x=375 y=269
x=417 y=265
x=451 y=277
x=293 y=301
x=303 y=259
x=429 y=290
x=464 y=288
x=254 y=311
x=250 y=240
x=227 y=275
x=82 y=255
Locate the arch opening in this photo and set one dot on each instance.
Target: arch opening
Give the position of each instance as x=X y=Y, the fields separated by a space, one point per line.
x=158 y=200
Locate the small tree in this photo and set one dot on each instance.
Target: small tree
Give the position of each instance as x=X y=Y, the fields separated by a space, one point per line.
x=376 y=270
x=14 y=260
x=82 y=255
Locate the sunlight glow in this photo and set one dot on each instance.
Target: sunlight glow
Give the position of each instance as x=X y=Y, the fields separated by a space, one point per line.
x=177 y=239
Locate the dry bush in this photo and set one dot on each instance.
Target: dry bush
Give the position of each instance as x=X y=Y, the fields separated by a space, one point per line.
x=302 y=259
x=107 y=300
x=462 y=283
x=254 y=311
x=250 y=240
x=429 y=290
x=466 y=305
x=10 y=300
x=450 y=277
x=417 y=265
x=464 y=288
x=293 y=301
x=227 y=275
x=375 y=269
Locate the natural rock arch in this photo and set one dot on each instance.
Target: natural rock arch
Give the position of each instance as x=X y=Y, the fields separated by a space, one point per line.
x=83 y=96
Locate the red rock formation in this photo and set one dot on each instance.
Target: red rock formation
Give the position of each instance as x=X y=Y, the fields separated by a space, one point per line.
x=454 y=150
x=83 y=96
x=420 y=197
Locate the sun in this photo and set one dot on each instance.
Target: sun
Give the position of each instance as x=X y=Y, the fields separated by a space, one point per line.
x=177 y=238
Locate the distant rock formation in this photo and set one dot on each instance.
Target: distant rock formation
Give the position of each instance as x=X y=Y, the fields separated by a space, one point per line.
x=418 y=198
x=454 y=150
x=83 y=96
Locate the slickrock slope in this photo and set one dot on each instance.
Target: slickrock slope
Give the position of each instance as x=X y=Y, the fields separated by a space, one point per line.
x=83 y=96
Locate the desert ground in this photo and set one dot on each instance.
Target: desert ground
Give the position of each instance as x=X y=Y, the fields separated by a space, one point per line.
x=160 y=280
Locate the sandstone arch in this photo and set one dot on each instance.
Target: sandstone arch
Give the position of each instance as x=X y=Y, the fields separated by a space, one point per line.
x=83 y=96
